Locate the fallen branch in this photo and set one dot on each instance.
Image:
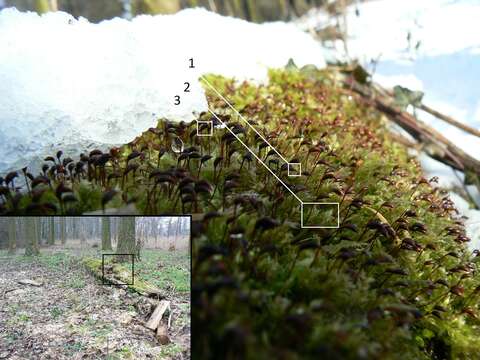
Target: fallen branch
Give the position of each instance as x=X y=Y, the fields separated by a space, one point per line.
x=29 y=282
x=437 y=114
x=7 y=291
x=169 y=318
x=434 y=143
x=450 y=120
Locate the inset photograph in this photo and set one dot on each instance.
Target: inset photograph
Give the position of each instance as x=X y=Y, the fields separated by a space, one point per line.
x=95 y=287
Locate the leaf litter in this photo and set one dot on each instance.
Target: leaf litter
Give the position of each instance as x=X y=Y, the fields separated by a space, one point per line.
x=71 y=316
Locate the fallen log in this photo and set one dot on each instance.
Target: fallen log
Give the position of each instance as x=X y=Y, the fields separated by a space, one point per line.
x=119 y=275
x=157 y=315
x=162 y=335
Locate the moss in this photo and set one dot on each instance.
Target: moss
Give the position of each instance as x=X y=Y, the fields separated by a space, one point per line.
x=394 y=281
x=121 y=273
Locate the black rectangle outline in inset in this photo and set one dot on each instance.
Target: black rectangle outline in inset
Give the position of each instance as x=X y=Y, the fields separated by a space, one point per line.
x=159 y=215
x=133 y=270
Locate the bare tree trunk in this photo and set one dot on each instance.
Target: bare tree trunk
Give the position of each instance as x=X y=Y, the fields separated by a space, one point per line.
x=51 y=237
x=126 y=238
x=31 y=248
x=42 y=6
x=38 y=230
x=117 y=228
x=63 y=229
x=12 y=236
x=178 y=229
x=74 y=233
x=155 y=6
x=54 y=5
x=106 y=236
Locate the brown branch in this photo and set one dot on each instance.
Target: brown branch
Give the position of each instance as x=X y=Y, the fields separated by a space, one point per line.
x=450 y=120
x=435 y=144
x=437 y=114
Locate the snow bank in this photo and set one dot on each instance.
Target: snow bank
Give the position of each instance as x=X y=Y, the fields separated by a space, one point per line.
x=72 y=84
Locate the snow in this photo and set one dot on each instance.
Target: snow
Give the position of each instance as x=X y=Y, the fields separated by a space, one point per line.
x=472 y=224
x=441 y=26
x=71 y=84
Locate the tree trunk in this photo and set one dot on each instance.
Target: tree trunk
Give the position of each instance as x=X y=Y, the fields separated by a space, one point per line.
x=176 y=234
x=53 y=5
x=74 y=228
x=155 y=6
x=63 y=229
x=38 y=230
x=12 y=237
x=117 y=228
x=126 y=238
x=42 y=6
x=51 y=237
x=106 y=236
x=31 y=248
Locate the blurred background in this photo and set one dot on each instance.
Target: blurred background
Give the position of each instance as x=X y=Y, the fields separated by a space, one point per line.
x=252 y=10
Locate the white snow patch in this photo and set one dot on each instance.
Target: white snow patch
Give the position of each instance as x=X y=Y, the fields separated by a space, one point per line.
x=441 y=26
x=408 y=81
x=472 y=224
x=447 y=178
x=71 y=83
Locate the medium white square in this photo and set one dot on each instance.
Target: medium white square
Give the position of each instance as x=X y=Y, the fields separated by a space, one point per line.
x=319 y=226
x=292 y=172
x=210 y=124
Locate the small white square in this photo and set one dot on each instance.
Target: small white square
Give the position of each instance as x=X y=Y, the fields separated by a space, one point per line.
x=294 y=169
x=310 y=226
x=201 y=123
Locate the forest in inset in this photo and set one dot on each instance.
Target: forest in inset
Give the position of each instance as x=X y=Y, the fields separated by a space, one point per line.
x=95 y=287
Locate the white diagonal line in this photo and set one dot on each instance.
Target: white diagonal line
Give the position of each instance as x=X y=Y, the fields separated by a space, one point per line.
x=280 y=180
x=240 y=115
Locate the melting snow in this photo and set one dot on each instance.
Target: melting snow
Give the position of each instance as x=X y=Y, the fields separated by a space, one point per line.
x=72 y=84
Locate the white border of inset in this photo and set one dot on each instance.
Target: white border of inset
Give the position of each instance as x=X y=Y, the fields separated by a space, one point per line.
x=319 y=226
x=299 y=172
x=200 y=122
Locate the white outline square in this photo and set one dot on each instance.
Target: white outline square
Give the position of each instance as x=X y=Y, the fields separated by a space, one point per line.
x=205 y=122
x=299 y=172
x=319 y=226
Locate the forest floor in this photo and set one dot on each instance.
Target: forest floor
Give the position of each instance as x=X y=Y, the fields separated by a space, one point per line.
x=72 y=316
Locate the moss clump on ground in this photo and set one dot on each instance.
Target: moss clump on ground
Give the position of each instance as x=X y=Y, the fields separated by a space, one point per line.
x=394 y=281
x=114 y=273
